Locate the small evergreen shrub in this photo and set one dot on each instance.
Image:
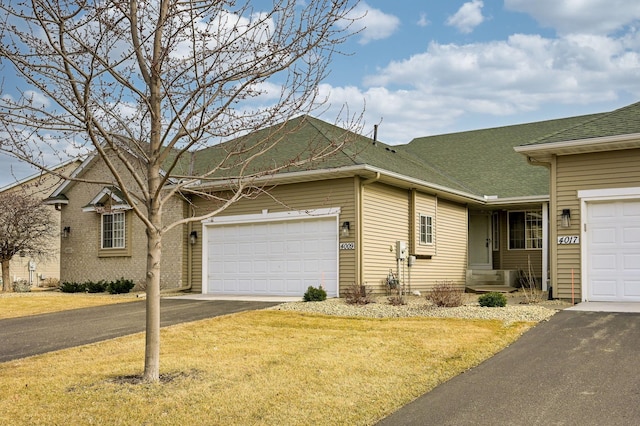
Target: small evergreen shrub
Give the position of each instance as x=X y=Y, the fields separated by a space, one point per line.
x=96 y=287
x=67 y=287
x=446 y=294
x=493 y=300
x=22 y=286
x=120 y=286
x=315 y=294
x=358 y=294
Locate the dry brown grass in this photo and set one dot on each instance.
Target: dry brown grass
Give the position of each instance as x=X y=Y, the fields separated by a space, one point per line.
x=254 y=368
x=14 y=305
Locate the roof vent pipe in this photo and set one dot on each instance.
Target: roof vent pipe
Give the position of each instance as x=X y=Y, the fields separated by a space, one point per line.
x=375 y=133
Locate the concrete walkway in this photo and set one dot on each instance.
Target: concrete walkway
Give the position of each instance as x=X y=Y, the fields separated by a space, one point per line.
x=37 y=334
x=578 y=368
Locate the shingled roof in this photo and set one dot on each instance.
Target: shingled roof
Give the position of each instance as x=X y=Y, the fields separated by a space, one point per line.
x=623 y=121
x=485 y=162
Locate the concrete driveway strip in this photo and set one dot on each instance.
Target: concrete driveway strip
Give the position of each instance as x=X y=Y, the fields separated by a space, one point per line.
x=37 y=334
x=579 y=368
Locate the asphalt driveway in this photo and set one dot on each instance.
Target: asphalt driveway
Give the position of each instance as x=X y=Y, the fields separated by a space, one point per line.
x=579 y=368
x=32 y=335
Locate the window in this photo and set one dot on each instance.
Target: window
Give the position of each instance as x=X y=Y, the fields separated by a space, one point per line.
x=113 y=230
x=525 y=230
x=426 y=229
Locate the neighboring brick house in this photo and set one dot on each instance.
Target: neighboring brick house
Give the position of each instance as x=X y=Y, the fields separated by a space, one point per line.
x=37 y=270
x=466 y=207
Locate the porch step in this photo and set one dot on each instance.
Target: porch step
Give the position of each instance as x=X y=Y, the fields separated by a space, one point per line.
x=490 y=288
x=485 y=281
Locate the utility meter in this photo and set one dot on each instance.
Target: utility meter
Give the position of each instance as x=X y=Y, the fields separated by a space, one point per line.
x=411 y=260
x=401 y=250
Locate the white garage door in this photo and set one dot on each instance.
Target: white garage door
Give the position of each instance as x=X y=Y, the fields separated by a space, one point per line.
x=613 y=252
x=273 y=258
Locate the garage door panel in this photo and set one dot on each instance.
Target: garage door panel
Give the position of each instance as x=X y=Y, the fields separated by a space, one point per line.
x=604 y=288
x=273 y=258
x=631 y=235
x=631 y=288
x=613 y=251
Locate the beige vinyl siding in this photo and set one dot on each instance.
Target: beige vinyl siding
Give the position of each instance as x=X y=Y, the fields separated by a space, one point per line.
x=423 y=205
x=613 y=169
x=386 y=219
x=450 y=262
x=294 y=197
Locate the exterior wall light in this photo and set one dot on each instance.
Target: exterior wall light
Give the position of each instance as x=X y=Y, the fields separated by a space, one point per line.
x=345 y=229
x=565 y=221
x=66 y=231
x=193 y=237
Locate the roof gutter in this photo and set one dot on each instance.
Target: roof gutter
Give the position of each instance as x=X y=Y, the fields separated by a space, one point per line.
x=377 y=174
x=605 y=143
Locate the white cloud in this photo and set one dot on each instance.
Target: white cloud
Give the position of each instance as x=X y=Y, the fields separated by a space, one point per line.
x=439 y=89
x=579 y=16
x=372 y=24
x=423 y=21
x=468 y=17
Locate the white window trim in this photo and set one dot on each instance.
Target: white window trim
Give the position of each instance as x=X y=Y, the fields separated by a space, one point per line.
x=431 y=234
x=124 y=231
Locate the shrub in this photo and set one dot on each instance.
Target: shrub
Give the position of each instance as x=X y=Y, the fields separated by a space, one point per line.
x=22 y=286
x=120 y=286
x=315 y=294
x=446 y=294
x=492 y=300
x=96 y=287
x=67 y=287
x=396 y=300
x=358 y=294
x=51 y=282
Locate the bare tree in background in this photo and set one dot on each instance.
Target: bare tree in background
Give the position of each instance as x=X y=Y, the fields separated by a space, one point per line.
x=142 y=84
x=26 y=227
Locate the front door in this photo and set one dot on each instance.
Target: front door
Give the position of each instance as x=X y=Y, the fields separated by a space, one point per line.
x=480 y=241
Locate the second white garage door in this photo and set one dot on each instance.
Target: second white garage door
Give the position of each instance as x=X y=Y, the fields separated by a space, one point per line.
x=280 y=258
x=613 y=251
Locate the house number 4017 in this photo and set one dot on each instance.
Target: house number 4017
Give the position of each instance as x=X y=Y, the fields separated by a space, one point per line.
x=347 y=246
x=569 y=239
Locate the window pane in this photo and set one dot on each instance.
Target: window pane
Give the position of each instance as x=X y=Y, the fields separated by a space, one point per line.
x=426 y=229
x=516 y=230
x=113 y=230
x=525 y=230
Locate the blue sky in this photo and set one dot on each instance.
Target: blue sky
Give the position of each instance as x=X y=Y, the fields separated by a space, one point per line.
x=421 y=68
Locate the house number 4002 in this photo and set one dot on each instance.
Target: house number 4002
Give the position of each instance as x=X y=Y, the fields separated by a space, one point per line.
x=347 y=246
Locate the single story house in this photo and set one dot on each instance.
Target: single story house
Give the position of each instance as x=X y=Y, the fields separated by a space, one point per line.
x=466 y=208
x=37 y=271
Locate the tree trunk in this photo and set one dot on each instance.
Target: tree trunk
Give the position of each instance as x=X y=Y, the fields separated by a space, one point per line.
x=152 y=341
x=6 y=281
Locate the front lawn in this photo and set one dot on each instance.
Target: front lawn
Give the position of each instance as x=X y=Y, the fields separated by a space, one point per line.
x=22 y=304
x=255 y=368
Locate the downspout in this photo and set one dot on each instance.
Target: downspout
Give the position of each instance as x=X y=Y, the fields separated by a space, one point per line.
x=549 y=262
x=359 y=234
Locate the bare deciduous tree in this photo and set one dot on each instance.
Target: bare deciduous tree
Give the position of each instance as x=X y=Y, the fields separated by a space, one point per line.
x=143 y=84
x=26 y=227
